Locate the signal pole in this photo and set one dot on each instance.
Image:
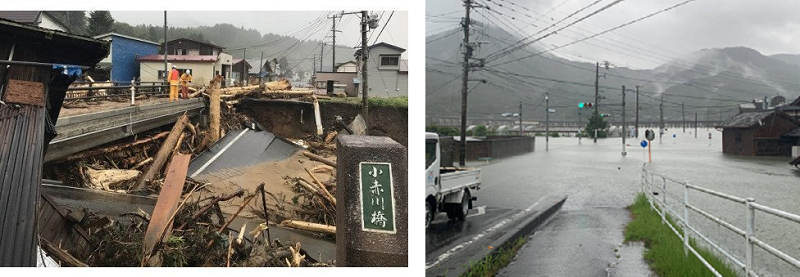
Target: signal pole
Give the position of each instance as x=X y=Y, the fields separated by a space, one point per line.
x=661 y=125
x=520 y=119
x=624 y=129
x=580 y=125
x=708 y=118
x=683 y=114
x=334 y=17
x=547 y=123
x=596 y=95
x=637 y=112
x=695 y=125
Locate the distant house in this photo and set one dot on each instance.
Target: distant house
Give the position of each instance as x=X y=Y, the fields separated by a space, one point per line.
x=122 y=62
x=205 y=60
x=348 y=66
x=792 y=109
x=203 y=67
x=765 y=133
x=387 y=73
x=35 y=18
x=240 y=66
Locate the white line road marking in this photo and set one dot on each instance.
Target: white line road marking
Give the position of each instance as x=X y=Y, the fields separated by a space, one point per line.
x=463 y=245
x=481 y=211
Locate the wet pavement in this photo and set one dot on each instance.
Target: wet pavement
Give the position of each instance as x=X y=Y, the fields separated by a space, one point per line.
x=600 y=182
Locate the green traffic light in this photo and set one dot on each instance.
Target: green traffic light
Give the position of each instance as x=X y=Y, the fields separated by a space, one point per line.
x=580 y=105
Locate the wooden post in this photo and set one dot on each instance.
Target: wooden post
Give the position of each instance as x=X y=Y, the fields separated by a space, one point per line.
x=163 y=153
x=214 y=109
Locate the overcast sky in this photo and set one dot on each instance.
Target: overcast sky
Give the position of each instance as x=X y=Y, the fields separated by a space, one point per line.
x=770 y=27
x=278 y=22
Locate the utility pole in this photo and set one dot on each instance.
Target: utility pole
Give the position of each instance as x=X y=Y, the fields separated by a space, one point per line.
x=364 y=57
x=695 y=125
x=596 y=98
x=261 y=66
x=683 y=114
x=637 y=112
x=333 y=30
x=321 y=54
x=520 y=119
x=244 y=67
x=708 y=118
x=166 y=69
x=465 y=24
x=547 y=123
x=624 y=128
x=661 y=125
x=580 y=124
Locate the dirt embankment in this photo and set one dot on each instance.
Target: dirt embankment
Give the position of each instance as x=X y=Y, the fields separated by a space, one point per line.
x=296 y=119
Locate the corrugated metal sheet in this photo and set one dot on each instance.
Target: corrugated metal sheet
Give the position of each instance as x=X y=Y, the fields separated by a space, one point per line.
x=21 y=151
x=27 y=17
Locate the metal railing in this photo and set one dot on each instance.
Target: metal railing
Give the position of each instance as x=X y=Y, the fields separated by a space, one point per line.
x=749 y=235
x=98 y=90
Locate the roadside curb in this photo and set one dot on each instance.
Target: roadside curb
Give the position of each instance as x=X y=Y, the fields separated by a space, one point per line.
x=525 y=228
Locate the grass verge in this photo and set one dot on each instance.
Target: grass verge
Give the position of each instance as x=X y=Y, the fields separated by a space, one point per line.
x=664 y=250
x=392 y=102
x=490 y=265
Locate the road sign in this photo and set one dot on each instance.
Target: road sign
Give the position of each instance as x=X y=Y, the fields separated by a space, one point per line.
x=377 y=195
x=643 y=143
x=650 y=135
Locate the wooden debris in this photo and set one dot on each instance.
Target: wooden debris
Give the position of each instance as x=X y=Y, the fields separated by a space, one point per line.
x=61 y=255
x=214 y=110
x=308 y=226
x=163 y=153
x=322 y=168
x=318 y=158
x=142 y=163
x=322 y=188
x=108 y=178
x=331 y=135
x=244 y=204
x=112 y=149
x=166 y=205
x=282 y=84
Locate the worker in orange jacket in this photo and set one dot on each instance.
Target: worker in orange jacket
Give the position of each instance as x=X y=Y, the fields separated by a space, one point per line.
x=186 y=78
x=173 y=84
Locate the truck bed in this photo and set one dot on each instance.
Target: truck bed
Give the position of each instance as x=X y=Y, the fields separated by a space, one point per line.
x=454 y=179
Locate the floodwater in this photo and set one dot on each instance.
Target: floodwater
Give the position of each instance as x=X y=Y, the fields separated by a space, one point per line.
x=597 y=176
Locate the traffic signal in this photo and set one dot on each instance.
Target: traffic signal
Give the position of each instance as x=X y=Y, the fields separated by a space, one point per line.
x=585 y=105
x=604 y=115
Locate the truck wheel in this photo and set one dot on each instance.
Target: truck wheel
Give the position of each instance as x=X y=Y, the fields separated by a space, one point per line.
x=429 y=214
x=450 y=209
x=462 y=210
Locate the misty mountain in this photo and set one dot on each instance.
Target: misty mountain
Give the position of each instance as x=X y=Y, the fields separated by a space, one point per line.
x=787 y=58
x=719 y=78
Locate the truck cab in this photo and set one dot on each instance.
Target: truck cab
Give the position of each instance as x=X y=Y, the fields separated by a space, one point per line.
x=448 y=189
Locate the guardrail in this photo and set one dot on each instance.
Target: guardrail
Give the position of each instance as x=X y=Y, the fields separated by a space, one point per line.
x=748 y=235
x=97 y=90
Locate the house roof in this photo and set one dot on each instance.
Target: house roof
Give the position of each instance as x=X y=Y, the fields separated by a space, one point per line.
x=61 y=47
x=29 y=17
x=796 y=102
x=200 y=42
x=179 y=58
x=387 y=45
x=237 y=61
x=748 y=120
x=794 y=133
x=124 y=36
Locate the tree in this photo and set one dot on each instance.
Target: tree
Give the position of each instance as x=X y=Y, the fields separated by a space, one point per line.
x=445 y=131
x=198 y=37
x=285 y=67
x=153 y=34
x=598 y=123
x=480 y=131
x=100 y=22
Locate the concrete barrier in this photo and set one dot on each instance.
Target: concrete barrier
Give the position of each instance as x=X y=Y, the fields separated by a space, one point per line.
x=496 y=147
x=372 y=202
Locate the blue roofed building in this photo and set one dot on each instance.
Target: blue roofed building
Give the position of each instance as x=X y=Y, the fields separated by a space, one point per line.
x=122 y=61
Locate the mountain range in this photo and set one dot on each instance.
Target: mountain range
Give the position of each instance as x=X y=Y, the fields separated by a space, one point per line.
x=709 y=82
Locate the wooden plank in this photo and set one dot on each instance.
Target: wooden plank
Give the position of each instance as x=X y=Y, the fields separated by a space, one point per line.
x=167 y=202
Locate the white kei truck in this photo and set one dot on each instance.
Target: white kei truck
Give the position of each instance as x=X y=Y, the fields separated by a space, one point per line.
x=448 y=189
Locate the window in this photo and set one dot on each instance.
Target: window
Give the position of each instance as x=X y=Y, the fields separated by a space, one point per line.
x=179 y=51
x=430 y=152
x=390 y=60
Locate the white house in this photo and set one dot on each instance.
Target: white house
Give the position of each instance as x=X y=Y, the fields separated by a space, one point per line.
x=387 y=73
x=348 y=66
x=36 y=18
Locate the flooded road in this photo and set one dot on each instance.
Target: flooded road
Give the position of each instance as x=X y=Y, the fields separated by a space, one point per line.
x=597 y=176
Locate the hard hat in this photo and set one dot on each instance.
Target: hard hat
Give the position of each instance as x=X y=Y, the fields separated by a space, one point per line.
x=174 y=66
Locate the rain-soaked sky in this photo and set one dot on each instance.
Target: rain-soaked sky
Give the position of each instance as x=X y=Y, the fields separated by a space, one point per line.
x=771 y=27
x=282 y=22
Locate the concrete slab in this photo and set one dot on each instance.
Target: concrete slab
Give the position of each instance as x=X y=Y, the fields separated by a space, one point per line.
x=455 y=261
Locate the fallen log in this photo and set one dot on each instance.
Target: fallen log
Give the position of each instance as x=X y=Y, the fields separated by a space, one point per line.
x=198 y=92
x=308 y=226
x=244 y=204
x=322 y=188
x=105 y=179
x=282 y=84
x=111 y=149
x=61 y=255
x=163 y=153
x=318 y=158
x=288 y=92
x=214 y=110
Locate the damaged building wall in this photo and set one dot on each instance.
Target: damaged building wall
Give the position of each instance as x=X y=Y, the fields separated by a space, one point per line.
x=291 y=119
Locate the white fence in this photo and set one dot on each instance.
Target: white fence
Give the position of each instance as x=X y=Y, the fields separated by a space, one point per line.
x=749 y=238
